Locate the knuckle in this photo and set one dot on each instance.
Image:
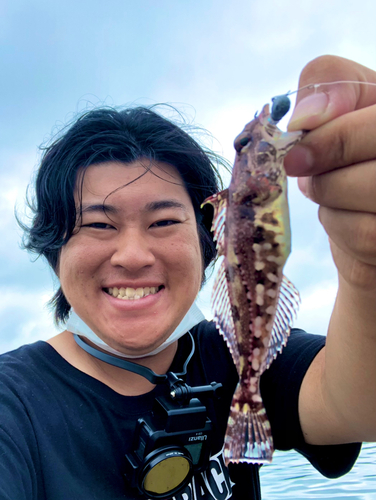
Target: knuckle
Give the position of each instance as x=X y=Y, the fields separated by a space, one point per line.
x=338 y=150
x=319 y=189
x=341 y=149
x=323 y=68
x=354 y=271
x=365 y=238
x=362 y=275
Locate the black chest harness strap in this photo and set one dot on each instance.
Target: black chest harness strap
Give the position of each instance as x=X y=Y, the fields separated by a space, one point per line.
x=245 y=476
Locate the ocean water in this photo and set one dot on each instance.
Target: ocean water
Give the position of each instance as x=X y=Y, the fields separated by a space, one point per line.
x=291 y=476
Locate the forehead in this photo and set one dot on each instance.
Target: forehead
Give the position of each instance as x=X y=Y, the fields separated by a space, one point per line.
x=134 y=181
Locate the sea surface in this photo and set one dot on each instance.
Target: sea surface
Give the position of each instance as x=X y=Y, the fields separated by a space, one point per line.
x=291 y=476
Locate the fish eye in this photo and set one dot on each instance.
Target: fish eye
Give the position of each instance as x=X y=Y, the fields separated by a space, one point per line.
x=245 y=140
x=240 y=143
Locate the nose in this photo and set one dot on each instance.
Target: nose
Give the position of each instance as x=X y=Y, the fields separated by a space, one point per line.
x=132 y=251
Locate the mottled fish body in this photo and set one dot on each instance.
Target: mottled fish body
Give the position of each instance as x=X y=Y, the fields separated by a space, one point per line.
x=253 y=303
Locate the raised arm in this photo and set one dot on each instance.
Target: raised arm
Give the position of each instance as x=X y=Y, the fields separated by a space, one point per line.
x=336 y=166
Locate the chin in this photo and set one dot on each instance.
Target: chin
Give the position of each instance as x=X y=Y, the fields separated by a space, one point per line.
x=139 y=347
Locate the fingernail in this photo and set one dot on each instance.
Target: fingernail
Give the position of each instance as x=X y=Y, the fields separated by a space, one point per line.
x=307 y=112
x=299 y=161
x=303 y=185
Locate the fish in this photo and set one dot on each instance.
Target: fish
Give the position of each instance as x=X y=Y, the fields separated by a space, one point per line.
x=253 y=303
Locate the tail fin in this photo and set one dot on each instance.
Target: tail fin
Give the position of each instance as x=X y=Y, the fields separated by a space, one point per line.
x=248 y=436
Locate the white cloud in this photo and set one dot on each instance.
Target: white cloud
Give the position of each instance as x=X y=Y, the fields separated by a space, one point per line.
x=226 y=65
x=15 y=175
x=24 y=318
x=316 y=307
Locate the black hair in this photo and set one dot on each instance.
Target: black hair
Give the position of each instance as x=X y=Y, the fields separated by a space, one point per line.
x=104 y=135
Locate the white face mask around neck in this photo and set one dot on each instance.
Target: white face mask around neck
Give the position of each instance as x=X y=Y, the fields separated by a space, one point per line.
x=192 y=318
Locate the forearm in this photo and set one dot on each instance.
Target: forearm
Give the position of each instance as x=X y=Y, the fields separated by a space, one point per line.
x=337 y=402
x=349 y=375
x=336 y=163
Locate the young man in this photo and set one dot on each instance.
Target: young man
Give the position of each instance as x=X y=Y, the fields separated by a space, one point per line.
x=118 y=215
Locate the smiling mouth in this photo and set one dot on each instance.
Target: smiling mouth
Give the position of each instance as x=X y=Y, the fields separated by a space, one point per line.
x=132 y=293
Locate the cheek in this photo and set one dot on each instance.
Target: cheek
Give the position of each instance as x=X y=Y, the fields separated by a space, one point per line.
x=191 y=266
x=73 y=265
x=199 y=261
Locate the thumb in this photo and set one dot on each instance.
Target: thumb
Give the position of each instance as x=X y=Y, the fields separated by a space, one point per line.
x=330 y=87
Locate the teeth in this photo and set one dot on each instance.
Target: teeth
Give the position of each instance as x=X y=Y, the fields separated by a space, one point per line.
x=132 y=293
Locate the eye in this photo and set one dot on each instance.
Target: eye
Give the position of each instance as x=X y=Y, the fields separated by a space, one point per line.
x=98 y=225
x=165 y=222
x=242 y=141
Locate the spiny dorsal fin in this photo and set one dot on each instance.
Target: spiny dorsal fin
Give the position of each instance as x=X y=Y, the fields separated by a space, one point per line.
x=287 y=308
x=222 y=313
x=219 y=202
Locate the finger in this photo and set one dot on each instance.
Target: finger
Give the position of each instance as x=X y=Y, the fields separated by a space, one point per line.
x=326 y=103
x=352 y=232
x=343 y=141
x=348 y=188
x=358 y=274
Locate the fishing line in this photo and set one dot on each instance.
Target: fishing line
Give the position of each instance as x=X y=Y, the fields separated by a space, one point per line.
x=281 y=103
x=315 y=86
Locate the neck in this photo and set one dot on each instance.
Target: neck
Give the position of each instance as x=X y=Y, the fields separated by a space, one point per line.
x=120 y=380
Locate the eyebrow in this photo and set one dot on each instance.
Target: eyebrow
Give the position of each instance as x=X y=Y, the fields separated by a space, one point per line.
x=149 y=207
x=160 y=205
x=100 y=207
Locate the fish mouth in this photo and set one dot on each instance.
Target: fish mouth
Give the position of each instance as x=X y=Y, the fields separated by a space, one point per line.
x=128 y=293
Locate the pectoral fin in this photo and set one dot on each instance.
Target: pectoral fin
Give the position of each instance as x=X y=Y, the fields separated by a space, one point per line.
x=222 y=313
x=287 y=308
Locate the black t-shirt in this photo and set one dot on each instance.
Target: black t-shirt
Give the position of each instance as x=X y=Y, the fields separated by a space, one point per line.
x=64 y=434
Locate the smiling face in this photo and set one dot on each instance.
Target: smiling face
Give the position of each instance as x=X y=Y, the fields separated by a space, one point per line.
x=131 y=272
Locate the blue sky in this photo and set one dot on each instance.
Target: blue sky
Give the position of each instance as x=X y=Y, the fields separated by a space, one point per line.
x=215 y=60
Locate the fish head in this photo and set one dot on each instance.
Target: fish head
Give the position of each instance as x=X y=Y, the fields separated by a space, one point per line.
x=258 y=174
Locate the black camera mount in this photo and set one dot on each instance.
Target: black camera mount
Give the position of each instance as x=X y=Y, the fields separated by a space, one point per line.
x=172 y=443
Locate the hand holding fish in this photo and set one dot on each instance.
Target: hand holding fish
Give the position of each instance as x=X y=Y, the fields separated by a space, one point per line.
x=336 y=166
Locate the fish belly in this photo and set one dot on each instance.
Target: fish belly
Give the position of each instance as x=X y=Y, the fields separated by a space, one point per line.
x=254 y=306
x=254 y=277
